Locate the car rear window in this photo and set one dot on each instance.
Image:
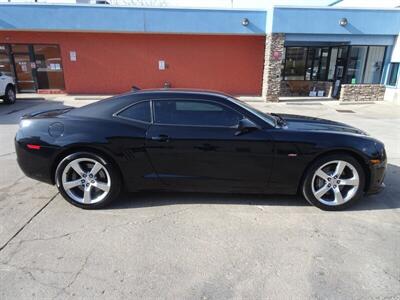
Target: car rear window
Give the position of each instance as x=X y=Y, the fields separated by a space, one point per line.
x=137 y=112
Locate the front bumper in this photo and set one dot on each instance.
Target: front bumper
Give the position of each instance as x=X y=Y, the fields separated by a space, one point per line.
x=377 y=176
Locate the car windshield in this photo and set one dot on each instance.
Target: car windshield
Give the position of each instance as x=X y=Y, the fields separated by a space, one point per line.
x=264 y=116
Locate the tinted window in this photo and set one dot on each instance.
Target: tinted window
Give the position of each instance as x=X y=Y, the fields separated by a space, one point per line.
x=139 y=111
x=373 y=67
x=187 y=112
x=356 y=64
x=393 y=71
x=295 y=63
x=49 y=70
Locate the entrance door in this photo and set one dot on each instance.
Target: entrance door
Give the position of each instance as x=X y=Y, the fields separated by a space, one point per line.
x=23 y=73
x=337 y=68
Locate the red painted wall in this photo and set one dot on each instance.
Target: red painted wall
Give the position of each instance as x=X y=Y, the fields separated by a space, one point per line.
x=111 y=63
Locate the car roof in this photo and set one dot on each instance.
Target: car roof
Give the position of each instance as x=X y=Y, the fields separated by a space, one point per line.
x=106 y=106
x=178 y=91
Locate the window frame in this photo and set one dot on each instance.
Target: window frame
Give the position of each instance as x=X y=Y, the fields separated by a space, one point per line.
x=347 y=60
x=117 y=114
x=365 y=63
x=283 y=71
x=391 y=67
x=36 y=70
x=312 y=58
x=188 y=125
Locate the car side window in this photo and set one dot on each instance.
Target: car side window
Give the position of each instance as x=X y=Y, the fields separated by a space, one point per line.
x=138 y=112
x=195 y=113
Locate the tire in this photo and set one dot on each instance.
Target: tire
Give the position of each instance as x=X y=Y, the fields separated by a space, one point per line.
x=330 y=175
x=87 y=180
x=10 y=95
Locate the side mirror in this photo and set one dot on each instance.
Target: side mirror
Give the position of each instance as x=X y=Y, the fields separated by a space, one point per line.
x=245 y=125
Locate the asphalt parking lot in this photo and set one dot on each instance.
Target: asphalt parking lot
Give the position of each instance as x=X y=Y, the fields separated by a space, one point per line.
x=202 y=246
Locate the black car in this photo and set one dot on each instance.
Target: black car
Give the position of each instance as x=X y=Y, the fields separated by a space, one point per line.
x=190 y=140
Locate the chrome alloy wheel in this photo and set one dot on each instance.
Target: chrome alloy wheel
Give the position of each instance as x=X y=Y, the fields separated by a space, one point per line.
x=335 y=182
x=86 y=181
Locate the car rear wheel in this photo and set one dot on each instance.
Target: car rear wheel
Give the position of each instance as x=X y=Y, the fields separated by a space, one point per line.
x=10 y=96
x=87 y=180
x=334 y=182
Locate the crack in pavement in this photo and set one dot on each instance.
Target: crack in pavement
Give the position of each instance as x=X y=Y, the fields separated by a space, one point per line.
x=151 y=220
x=105 y=229
x=6 y=154
x=29 y=271
x=63 y=288
x=75 y=276
x=29 y=221
x=5 y=189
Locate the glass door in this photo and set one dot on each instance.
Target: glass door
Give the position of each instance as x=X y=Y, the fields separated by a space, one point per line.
x=23 y=72
x=24 y=68
x=337 y=68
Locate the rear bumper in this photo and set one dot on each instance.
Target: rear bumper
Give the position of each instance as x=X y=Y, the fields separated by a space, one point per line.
x=35 y=164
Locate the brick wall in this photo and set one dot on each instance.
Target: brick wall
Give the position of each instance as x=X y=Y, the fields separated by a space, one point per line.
x=362 y=92
x=110 y=63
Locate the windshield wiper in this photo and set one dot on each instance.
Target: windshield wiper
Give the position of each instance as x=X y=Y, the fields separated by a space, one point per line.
x=279 y=120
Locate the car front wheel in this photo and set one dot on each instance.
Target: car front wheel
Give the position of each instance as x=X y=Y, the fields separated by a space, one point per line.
x=87 y=180
x=334 y=182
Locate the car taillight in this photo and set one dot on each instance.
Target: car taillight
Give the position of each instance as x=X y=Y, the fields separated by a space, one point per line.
x=33 y=146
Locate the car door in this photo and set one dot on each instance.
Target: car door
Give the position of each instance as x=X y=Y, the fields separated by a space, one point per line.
x=195 y=145
x=131 y=124
x=3 y=82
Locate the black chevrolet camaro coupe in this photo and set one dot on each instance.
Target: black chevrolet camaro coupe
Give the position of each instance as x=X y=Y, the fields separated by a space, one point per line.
x=187 y=140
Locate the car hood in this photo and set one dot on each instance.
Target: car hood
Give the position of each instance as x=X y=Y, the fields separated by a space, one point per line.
x=303 y=123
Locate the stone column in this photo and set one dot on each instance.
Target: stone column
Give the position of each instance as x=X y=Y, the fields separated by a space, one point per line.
x=271 y=86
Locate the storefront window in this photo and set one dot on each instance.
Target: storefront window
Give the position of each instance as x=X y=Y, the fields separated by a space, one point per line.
x=306 y=63
x=295 y=63
x=356 y=63
x=332 y=63
x=48 y=67
x=323 y=71
x=5 y=64
x=393 y=72
x=364 y=64
x=19 y=48
x=309 y=63
x=373 y=68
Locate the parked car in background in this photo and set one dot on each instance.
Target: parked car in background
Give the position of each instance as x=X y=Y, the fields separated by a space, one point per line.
x=8 y=89
x=196 y=141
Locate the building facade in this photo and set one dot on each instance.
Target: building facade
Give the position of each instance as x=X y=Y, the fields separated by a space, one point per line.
x=393 y=82
x=282 y=51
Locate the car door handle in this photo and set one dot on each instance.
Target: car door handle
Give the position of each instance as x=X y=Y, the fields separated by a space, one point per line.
x=160 y=138
x=206 y=147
